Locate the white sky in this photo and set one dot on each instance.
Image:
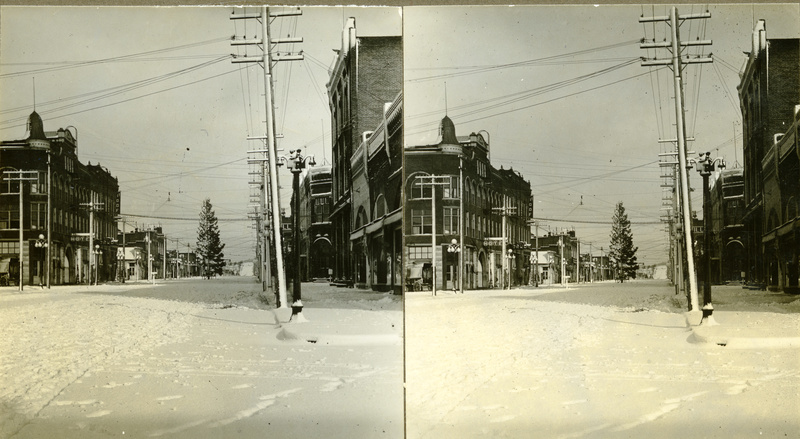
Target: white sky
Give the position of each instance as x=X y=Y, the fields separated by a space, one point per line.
x=583 y=145
x=175 y=141
x=172 y=141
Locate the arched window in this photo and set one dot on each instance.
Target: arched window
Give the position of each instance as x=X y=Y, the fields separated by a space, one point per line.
x=361 y=218
x=380 y=207
x=416 y=190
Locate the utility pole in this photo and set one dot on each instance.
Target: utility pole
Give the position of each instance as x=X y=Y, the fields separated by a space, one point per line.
x=49 y=222
x=91 y=206
x=261 y=217
x=270 y=139
x=676 y=62
x=602 y=270
x=563 y=260
x=505 y=211
x=149 y=258
x=578 y=261
x=534 y=260
x=433 y=181
x=460 y=223
x=22 y=176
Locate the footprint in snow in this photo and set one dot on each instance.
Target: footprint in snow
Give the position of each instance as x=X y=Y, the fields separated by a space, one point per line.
x=331 y=386
x=99 y=414
x=503 y=419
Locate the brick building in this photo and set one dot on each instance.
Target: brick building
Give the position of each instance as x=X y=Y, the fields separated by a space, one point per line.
x=316 y=247
x=727 y=210
x=140 y=244
x=486 y=192
x=367 y=74
x=768 y=93
x=781 y=239
x=564 y=247
x=377 y=173
x=56 y=210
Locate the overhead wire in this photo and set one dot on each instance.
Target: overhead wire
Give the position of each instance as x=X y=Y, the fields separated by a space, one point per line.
x=144 y=95
x=70 y=65
x=530 y=62
x=111 y=91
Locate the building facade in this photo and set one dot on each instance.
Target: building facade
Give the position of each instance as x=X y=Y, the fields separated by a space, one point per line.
x=563 y=268
x=377 y=173
x=367 y=74
x=141 y=244
x=316 y=251
x=469 y=198
x=184 y=264
x=64 y=203
x=728 y=256
x=781 y=172
x=768 y=93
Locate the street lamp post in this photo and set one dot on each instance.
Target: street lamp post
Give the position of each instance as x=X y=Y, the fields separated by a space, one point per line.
x=706 y=166
x=295 y=162
x=97 y=253
x=455 y=249
x=510 y=256
x=41 y=243
x=150 y=277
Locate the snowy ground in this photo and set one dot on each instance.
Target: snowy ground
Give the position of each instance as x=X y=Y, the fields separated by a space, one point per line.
x=543 y=363
x=197 y=359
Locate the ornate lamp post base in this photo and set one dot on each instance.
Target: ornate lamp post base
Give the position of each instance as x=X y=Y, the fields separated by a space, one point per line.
x=297 y=312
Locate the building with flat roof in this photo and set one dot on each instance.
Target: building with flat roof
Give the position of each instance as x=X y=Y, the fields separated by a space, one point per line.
x=492 y=208
x=367 y=74
x=47 y=240
x=768 y=93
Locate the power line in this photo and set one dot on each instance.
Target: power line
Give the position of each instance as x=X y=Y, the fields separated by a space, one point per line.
x=113 y=91
x=70 y=65
x=181 y=219
x=147 y=94
x=525 y=63
x=557 y=220
x=542 y=102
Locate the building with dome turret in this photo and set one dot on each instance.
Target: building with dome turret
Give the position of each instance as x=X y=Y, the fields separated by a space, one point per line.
x=489 y=196
x=50 y=234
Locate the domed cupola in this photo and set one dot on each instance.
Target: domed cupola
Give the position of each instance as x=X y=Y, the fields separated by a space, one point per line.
x=36 y=127
x=449 y=143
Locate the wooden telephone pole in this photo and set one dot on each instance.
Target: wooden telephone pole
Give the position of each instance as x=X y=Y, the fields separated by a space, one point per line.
x=676 y=63
x=270 y=158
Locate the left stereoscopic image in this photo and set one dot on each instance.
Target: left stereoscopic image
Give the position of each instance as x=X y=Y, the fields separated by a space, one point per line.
x=200 y=222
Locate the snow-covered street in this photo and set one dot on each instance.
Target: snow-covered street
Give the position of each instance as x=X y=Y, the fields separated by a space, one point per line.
x=97 y=362
x=526 y=363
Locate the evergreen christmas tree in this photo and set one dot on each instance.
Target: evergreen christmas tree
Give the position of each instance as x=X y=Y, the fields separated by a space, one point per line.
x=209 y=247
x=622 y=252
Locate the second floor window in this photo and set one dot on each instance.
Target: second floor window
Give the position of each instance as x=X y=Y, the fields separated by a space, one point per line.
x=9 y=218
x=450 y=221
x=38 y=216
x=419 y=190
x=421 y=221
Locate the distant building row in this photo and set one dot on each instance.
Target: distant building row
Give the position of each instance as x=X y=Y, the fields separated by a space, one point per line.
x=59 y=196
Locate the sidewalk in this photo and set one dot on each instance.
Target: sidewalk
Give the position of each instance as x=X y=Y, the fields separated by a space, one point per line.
x=749 y=330
x=149 y=367
x=339 y=326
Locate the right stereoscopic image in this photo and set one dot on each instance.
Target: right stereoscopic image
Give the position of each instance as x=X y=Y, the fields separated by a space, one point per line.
x=600 y=221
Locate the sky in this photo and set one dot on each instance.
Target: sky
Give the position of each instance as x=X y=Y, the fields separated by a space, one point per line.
x=155 y=98
x=566 y=102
